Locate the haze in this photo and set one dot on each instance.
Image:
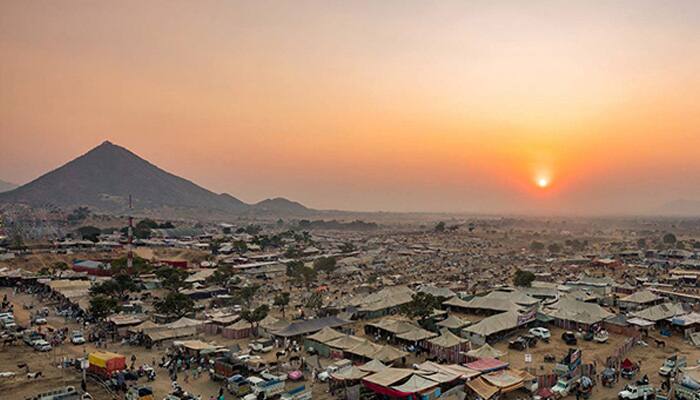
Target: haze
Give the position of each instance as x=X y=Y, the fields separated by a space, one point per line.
x=399 y=106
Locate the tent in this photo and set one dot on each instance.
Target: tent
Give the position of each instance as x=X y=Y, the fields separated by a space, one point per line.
x=416 y=384
x=239 y=330
x=388 y=354
x=373 y=366
x=453 y=323
x=415 y=335
x=485 y=351
x=487 y=365
x=448 y=346
x=349 y=374
x=482 y=388
x=318 y=341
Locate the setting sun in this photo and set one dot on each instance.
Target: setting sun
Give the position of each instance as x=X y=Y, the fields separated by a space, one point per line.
x=542 y=182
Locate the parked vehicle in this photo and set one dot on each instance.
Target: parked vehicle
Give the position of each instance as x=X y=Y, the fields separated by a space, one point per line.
x=540 y=333
x=518 y=343
x=41 y=345
x=563 y=387
x=639 y=391
x=569 y=338
x=263 y=389
x=238 y=385
x=298 y=393
x=337 y=366
x=601 y=336
x=31 y=337
x=64 y=393
x=140 y=393
x=76 y=337
x=105 y=364
x=672 y=365
x=262 y=345
x=39 y=321
x=227 y=367
x=271 y=376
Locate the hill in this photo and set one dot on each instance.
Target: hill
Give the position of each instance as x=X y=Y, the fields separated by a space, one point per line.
x=6 y=186
x=280 y=205
x=104 y=177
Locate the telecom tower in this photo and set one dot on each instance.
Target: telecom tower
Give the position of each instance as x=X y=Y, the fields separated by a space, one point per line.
x=130 y=254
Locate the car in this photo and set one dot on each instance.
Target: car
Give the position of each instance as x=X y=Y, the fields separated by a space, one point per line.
x=569 y=338
x=30 y=337
x=519 y=343
x=41 y=345
x=76 y=337
x=39 y=321
x=540 y=333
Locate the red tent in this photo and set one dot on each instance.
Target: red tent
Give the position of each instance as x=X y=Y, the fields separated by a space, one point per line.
x=627 y=364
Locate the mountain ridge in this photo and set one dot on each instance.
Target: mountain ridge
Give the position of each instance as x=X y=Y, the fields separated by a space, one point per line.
x=104 y=177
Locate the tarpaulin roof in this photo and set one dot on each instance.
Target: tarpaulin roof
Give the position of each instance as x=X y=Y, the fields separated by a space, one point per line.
x=455 y=369
x=325 y=335
x=568 y=309
x=659 y=312
x=416 y=384
x=345 y=342
x=196 y=345
x=365 y=349
x=485 y=351
x=388 y=354
x=389 y=376
x=482 y=388
x=452 y=322
x=416 y=334
x=349 y=374
x=487 y=364
x=505 y=380
x=641 y=297
x=373 y=366
x=447 y=339
x=456 y=302
x=310 y=326
x=495 y=324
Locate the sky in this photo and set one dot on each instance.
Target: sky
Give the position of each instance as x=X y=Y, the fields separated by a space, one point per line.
x=454 y=106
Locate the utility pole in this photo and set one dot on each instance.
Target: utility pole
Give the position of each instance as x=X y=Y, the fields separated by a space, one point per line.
x=130 y=254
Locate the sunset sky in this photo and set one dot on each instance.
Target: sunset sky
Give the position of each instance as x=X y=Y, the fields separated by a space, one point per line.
x=387 y=105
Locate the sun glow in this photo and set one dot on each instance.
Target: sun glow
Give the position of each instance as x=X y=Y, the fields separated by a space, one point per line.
x=542 y=182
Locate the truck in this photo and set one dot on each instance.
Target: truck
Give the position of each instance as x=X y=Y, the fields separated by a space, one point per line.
x=104 y=363
x=264 y=389
x=672 y=365
x=337 y=366
x=563 y=387
x=683 y=392
x=238 y=385
x=298 y=393
x=637 y=392
x=226 y=367
x=688 y=387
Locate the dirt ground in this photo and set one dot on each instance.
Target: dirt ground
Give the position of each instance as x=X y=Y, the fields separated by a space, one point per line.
x=20 y=386
x=651 y=359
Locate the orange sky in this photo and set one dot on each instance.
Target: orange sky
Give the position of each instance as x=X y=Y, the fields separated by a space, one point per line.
x=391 y=105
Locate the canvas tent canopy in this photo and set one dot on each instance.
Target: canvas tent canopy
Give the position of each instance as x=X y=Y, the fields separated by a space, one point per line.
x=389 y=376
x=577 y=311
x=373 y=366
x=310 y=326
x=349 y=374
x=452 y=322
x=641 y=297
x=416 y=384
x=482 y=388
x=447 y=339
x=485 y=351
x=660 y=312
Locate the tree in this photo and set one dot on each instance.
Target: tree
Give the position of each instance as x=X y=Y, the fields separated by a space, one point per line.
x=221 y=276
x=102 y=306
x=536 y=246
x=314 y=301
x=281 y=301
x=255 y=316
x=421 y=306
x=118 y=286
x=440 y=227
x=523 y=278
x=325 y=264
x=248 y=292
x=172 y=278
x=90 y=233
x=669 y=239
x=175 y=304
